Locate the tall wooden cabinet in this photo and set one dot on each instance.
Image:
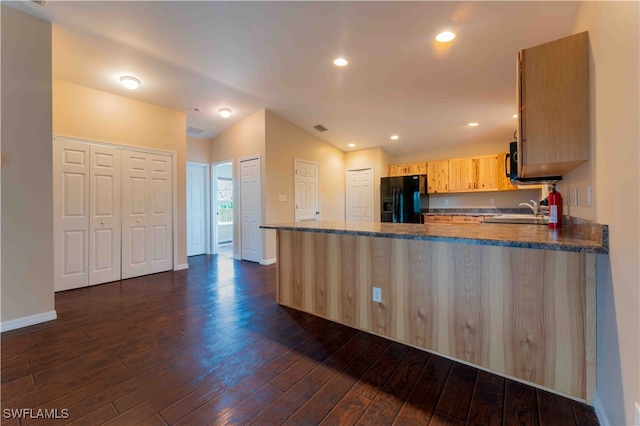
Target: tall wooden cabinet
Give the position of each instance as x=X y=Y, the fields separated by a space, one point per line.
x=553 y=102
x=438 y=177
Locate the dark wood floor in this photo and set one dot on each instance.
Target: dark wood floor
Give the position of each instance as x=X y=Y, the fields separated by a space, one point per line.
x=210 y=346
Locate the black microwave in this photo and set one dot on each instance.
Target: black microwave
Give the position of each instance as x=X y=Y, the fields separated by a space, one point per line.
x=511 y=167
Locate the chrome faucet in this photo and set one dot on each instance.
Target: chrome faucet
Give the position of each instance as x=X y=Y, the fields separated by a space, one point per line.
x=533 y=206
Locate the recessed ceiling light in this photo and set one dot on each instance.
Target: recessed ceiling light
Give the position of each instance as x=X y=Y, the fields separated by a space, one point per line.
x=129 y=82
x=225 y=112
x=341 y=62
x=395 y=137
x=445 y=36
x=515 y=115
x=473 y=124
x=351 y=145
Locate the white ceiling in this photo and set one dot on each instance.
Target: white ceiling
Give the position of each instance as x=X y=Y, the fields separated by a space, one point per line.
x=278 y=55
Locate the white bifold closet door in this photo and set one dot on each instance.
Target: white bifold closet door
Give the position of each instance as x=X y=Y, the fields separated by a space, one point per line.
x=113 y=214
x=86 y=182
x=147 y=214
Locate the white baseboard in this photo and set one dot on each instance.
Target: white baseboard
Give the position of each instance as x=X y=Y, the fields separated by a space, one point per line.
x=599 y=409
x=268 y=261
x=237 y=257
x=181 y=267
x=27 y=321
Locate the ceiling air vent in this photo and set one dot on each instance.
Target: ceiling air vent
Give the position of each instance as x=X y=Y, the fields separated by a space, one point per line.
x=320 y=128
x=194 y=131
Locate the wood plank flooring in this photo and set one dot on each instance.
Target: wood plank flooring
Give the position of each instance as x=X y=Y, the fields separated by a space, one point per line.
x=209 y=345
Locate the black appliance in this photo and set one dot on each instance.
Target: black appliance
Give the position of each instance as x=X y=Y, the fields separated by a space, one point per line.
x=400 y=198
x=511 y=167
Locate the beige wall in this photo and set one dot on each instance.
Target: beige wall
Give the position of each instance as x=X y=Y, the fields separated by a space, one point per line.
x=27 y=193
x=612 y=171
x=285 y=143
x=198 y=150
x=91 y=114
x=376 y=158
x=245 y=139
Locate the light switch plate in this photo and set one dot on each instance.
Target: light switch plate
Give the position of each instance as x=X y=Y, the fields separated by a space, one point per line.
x=377 y=294
x=575 y=196
x=492 y=201
x=282 y=197
x=589 y=196
x=637 y=416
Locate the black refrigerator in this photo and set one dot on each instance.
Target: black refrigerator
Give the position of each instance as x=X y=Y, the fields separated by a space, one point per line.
x=400 y=198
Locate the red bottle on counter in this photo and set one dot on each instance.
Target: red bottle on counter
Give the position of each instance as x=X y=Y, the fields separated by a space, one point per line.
x=555 y=208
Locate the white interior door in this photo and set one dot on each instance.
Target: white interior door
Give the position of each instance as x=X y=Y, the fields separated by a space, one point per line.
x=105 y=212
x=160 y=244
x=360 y=195
x=196 y=209
x=307 y=194
x=251 y=212
x=147 y=214
x=71 y=214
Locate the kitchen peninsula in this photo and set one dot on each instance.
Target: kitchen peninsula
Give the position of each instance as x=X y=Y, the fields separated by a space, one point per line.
x=518 y=300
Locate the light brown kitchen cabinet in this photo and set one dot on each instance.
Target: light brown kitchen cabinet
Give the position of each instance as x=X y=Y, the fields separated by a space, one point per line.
x=485 y=170
x=461 y=175
x=440 y=218
x=553 y=102
x=418 y=168
x=438 y=177
x=408 y=169
x=466 y=220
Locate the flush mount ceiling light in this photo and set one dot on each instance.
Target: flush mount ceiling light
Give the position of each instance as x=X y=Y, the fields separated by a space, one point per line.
x=225 y=112
x=129 y=82
x=473 y=124
x=445 y=36
x=515 y=115
x=341 y=62
x=351 y=145
x=394 y=137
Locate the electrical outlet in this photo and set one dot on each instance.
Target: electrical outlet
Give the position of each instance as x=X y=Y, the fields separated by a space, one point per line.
x=377 y=294
x=575 y=196
x=492 y=202
x=589 y=196
x=567 y=199
x=446 y=202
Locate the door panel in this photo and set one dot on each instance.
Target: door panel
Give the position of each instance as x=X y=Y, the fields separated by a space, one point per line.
x=196 y=210
x=147 y=231
x=251 y=211
x=307 y=194
x=71 y=214
x=105 y=212
x=360 y=195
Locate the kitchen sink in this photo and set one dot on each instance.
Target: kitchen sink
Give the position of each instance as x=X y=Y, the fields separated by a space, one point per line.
x=529 y=219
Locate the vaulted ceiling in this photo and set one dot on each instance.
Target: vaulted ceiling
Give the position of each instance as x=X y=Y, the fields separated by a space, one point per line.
x=279 y=55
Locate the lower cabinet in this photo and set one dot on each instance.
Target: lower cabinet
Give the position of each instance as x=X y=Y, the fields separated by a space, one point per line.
x=113 y=213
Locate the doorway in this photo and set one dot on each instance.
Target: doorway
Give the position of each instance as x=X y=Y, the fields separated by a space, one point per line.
x=223 y=205
x=360 y=195
x=307 y=192
x=251 y=209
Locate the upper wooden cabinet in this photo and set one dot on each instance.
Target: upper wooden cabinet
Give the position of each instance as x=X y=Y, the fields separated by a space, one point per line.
x=408 y=169
x=438 y=177
x=485 y=169
x=553 y=102
x=461 y=175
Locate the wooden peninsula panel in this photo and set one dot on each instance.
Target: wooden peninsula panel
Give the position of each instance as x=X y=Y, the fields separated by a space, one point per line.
x=523 y=313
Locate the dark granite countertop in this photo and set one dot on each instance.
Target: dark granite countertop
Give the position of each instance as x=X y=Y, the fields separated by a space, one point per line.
x=576 y=236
